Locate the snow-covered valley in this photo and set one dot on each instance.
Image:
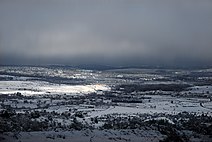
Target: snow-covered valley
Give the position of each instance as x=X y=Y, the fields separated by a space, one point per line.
x=111 y=105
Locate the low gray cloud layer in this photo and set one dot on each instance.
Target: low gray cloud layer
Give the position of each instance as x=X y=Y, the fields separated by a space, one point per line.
x=113 y=30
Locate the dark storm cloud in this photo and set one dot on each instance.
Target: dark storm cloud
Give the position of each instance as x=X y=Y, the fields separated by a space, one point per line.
x=113 y=30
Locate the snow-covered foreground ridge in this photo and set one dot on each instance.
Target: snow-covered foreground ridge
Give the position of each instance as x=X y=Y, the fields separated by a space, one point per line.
x=86 y=136
x=40 y=87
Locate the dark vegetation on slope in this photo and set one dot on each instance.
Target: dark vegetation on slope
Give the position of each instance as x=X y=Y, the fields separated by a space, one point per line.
x=152 y=87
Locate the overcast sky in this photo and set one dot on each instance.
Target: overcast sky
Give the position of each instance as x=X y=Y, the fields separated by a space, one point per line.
x=105 y=31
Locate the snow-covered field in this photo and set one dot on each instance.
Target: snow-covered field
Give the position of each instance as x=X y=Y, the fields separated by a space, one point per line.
x=42 y=88
x=159 y=104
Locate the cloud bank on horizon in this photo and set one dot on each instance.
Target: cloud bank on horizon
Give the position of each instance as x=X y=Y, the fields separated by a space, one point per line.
x=106 y=31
